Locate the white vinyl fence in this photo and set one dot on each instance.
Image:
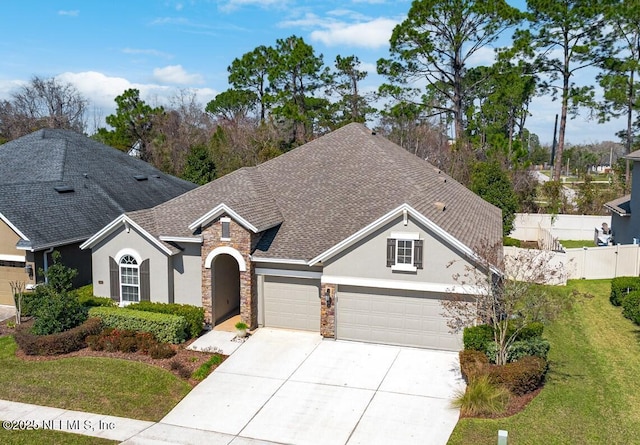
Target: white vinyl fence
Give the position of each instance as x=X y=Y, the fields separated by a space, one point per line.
x=527 y=226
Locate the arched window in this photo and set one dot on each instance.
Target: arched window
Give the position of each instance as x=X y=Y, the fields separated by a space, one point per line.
x=129 y=279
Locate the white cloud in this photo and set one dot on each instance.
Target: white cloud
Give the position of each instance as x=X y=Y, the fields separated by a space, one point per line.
x=74 y=13
x=176 y=74
x=484 y=56
x=373 y=34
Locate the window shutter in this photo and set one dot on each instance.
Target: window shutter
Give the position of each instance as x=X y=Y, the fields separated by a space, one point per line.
x=391 y=252
x=114 y=280
x=417 y=253
x=145 y=282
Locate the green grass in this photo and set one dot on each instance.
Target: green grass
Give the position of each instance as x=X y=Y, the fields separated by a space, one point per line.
x=49 y=437
x=572 y=244
x=99 y=385
x=592 y=394
x=205 y=369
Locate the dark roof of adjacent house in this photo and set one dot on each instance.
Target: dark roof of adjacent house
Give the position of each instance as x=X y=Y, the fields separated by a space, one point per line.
x=621 y=206
x=310 y=199
x=59 y=187
x=633 y=156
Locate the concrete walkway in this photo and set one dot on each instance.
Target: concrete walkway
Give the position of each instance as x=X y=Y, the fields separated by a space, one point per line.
x=7 y=312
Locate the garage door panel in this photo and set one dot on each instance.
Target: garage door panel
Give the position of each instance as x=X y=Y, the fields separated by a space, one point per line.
x=292 y=303
x=394 y=319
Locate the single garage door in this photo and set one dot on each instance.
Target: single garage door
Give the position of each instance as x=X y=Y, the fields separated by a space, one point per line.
x=292 y=303
x=394 y=317
x=7 y=275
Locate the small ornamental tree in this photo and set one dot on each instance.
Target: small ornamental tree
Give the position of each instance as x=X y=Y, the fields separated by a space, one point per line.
x=507 y=301
x=17 y=289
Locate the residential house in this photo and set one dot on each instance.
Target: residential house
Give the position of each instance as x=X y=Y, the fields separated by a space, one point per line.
x=57 y=188
x=625 y=211
x=348 y=235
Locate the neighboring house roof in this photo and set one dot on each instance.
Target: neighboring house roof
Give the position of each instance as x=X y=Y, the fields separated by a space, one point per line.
x=633 y=156
x=314 y=197
x=621 y=206
x=58 y=187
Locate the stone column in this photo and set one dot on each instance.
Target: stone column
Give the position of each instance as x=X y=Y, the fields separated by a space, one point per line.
x=327 y=314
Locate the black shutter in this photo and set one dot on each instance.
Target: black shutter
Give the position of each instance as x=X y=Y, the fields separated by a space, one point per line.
x=114 y=280
x=417 y=253
x=145 y=282
x=391 y=252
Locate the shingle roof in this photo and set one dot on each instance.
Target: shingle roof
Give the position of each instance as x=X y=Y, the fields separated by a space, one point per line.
x=622 y=205
x=321 y=193
x=102 y=179
x=633 y=156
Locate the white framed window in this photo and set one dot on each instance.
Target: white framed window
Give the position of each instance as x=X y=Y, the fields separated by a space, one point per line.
x=404 y=252
x=129 y=280
x=226 y=229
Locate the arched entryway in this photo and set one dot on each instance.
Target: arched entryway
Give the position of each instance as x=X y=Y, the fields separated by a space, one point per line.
x=225 y=291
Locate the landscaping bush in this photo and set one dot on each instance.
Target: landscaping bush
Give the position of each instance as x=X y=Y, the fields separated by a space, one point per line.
x=59 y=343
x=55 y=311
x=472 y=364
x=482 y=398
x=193 y=314
x=631 y=306
x=621 y=286
x=161 y=351
x=87 y=299
x=477 y=338
x=166 y=328
x=535 y=346
x=123 y=340
x=532 y=330
x=521 y=377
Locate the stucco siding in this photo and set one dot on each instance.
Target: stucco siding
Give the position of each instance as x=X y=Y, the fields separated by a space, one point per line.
x=120 y=240
x=367 y=258
x=187 y=278
x=8 y=240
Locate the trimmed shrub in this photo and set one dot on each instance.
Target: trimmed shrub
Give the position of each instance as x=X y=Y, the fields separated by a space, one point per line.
x=621 y=286
x=161 y=351
x=535 y=346
x=631 y=306
x=530 y=331
x=166 y=328
x=477 y=338
x=56 y=311
x=59 y=343
x=521 y=377
x=193 y=314
x=112 y=340
x=482 y=398
x=472 y=364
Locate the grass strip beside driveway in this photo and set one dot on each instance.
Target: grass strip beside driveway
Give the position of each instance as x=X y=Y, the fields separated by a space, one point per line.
x=49 y=437
x=592 y=394
x=99 y=385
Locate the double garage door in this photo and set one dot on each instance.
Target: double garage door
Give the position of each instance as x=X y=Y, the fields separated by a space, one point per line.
x=385 y=316
x=394 y=317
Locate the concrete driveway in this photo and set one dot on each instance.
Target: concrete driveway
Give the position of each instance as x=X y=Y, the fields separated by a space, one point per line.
x=293 y=387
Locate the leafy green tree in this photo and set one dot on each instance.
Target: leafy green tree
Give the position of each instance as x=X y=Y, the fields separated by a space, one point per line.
x=620 y=70
x=232 y=105
x=491 y=182
x=200 y=167
x=295 y=75
x=435 y=43
x=352 y=106
x=250 y=73
x=564 y=37
x=132 y=124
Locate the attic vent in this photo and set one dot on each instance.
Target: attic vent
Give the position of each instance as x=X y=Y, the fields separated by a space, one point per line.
x=155 y=176
x=141 y=177
x=440 y=206
x=64 y=189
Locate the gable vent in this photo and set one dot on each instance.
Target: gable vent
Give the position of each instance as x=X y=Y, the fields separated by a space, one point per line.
x=64 y=189
x=141 y=177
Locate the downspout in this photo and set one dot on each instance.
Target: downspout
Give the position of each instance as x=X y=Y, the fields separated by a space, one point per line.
x=46 y=264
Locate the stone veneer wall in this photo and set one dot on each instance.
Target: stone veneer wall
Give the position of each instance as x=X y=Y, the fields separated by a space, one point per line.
x=328 y=314
x=240 y=240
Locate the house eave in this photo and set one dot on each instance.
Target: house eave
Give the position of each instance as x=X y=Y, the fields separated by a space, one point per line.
x=217 y=211
x=256 y=259
x=180 y=239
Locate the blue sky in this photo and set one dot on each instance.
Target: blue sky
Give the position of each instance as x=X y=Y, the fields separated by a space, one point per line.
x=159 y=47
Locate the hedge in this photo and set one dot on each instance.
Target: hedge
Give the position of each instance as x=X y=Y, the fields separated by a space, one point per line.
x=472 y=364
x=193 y=314
x=60 y=343
x=621 y=286
x=521 y=377
x=166 y=328
x=535 y=346
x=631 y=306
x=480 y=338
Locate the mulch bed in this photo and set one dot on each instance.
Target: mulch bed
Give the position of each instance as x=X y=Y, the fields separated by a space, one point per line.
x=184 y=359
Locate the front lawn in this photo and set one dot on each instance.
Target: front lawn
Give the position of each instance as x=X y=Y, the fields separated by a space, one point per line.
x=50 y=437
x=592 y=394
x=100 y=385
x=572 y=244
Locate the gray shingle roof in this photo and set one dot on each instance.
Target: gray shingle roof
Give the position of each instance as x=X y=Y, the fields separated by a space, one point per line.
x=102 y=179
x=622 y=205
x=321 y=193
